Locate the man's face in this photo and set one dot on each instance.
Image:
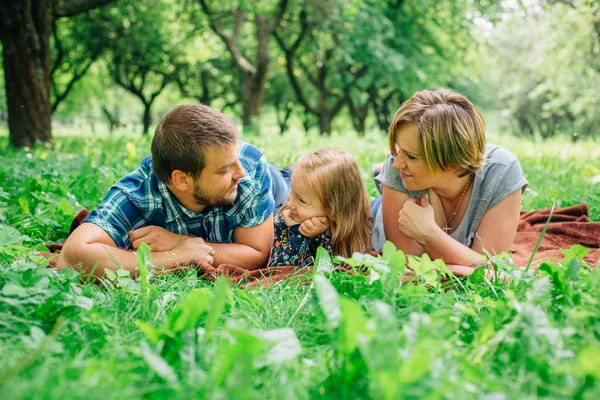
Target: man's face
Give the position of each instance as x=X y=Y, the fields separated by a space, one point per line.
x=217 y=184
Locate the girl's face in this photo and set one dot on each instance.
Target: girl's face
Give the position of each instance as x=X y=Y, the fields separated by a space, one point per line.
x=302 y=202
x=410 y=161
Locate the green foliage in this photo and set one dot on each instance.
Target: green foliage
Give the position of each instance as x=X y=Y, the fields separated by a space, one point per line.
x=543 y=65
x=387 y=332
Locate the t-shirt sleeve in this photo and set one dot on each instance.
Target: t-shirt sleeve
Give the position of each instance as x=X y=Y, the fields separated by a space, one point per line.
x=259 y=203
x=117 y=215
x=510 y=180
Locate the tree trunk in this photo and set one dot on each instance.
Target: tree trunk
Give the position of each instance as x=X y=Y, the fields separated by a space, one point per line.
x=307 y=122
x=26 y=30
x=283 y=121
x=249 y=101
x=358 y=114
x=113 y=121
x=147 y=119
x=205 y=98
x=359 y=124
x=254 y=84
x=325 y=123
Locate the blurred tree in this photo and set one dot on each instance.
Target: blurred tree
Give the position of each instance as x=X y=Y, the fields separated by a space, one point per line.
x=418 y=45
x=383 y=99
x=25 y=31
x=253 y=69
x=371 y=54
x=207 y=81
x=3 y=109
x=141 y=56
x=75 y=47
x=280 y=96
x=546 y=68
x=308 y=58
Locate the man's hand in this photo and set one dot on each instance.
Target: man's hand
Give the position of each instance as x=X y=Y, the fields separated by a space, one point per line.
x=314 y=226
x=287 y=219
x=193 y=250
x=159 y=239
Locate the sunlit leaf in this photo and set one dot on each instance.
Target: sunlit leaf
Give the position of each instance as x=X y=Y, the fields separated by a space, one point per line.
x=188 y=311
x=286 y=345
x=328 y=300
x=158 y=364
x=323 y=261
x=588 y=359
x=354 y=323
x=222 y=296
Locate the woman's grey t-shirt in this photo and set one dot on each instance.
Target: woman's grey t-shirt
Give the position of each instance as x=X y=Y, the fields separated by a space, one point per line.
x=500 y=176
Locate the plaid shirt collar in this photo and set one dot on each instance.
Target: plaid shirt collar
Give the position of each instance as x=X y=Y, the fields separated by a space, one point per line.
x=173 y=209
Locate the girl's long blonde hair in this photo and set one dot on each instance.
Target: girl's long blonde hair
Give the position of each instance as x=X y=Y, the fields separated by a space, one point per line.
x=334 y=177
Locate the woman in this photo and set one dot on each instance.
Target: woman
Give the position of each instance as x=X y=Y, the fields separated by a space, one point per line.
x=444 y=191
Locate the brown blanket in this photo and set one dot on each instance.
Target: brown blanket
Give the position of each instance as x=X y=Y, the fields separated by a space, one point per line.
x=567 y=227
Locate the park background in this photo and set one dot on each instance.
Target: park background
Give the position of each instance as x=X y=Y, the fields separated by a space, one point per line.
x=83 y=84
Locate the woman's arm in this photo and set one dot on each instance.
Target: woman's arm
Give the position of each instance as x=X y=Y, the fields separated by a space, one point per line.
x=495 y=234
x=392 y=201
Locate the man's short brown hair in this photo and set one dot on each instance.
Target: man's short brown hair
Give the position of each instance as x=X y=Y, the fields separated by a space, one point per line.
x=183 y=137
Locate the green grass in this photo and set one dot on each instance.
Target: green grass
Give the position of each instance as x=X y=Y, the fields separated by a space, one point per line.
x=535 y=336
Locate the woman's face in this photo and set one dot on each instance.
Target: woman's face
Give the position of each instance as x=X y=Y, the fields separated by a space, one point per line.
x=410 y=161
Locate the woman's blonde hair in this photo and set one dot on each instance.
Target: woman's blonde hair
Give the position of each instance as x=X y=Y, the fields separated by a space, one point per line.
x=333 y=175
x=451 y=130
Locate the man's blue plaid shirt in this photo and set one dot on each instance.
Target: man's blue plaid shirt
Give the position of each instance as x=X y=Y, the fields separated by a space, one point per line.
x=141 y=199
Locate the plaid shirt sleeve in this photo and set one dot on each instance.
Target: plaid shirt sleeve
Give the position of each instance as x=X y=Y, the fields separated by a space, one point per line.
x=117 y=215
x=258 y=199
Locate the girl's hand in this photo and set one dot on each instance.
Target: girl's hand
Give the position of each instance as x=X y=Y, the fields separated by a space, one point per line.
x=287 y=219
x=314 y=226
x=416 y=219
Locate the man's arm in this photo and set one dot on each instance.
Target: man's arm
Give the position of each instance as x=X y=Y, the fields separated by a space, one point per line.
x=90 y=247
x=251 y=248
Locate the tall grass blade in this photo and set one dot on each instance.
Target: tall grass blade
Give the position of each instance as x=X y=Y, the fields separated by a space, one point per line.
x=537 y=245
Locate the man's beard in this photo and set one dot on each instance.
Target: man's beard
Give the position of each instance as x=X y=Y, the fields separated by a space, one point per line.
x=204 y=199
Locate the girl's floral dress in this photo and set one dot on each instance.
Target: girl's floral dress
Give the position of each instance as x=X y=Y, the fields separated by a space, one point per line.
x=292 y=248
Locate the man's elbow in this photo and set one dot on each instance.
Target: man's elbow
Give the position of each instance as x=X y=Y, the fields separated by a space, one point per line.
x=265 y=258
x=260 y=260
x=81 y=252
x=75 y=257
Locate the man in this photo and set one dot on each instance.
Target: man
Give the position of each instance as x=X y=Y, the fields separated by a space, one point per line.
x=201 y=197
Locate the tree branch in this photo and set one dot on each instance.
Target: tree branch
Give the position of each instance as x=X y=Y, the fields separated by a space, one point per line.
x=165 y=81
x=239 y=20
x=277 y=17
x=289 y=56
x=60 y=53
x=340 y=103
x=230 y=41
x=129 y=85
x=69 y=8
x=59 y=97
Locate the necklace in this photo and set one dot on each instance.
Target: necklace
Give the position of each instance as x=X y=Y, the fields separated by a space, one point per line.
x=447 y=221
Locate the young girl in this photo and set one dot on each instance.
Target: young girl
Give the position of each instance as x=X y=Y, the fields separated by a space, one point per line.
x=327 y=206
